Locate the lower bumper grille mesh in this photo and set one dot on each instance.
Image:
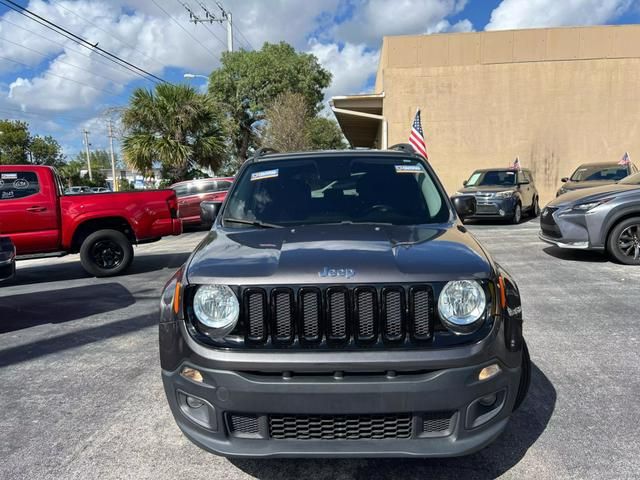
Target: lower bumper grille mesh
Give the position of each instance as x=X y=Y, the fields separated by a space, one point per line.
x=344 y=427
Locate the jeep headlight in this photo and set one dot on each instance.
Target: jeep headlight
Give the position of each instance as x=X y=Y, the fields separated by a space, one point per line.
x=505 y=194
x=461 y=306
x=217 y=309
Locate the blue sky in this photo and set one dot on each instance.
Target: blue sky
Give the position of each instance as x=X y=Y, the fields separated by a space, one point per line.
x=60 y=88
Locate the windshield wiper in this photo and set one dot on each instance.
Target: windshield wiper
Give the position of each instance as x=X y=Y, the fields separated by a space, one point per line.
x=254 y=223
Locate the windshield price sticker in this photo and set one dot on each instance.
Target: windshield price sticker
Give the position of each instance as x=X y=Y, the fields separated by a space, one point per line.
x=408 y=169
x=265 y=174
x=9 y=176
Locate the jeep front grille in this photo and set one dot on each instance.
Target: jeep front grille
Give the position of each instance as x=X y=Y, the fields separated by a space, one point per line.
x=337 y=315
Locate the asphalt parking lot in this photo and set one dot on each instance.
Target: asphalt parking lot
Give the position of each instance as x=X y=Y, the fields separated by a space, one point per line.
x=81 y=395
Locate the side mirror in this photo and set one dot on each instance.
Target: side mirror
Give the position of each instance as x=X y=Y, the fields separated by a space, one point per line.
x=464 y=184
x=564 y=179
x=209 y=212
x=465 y=205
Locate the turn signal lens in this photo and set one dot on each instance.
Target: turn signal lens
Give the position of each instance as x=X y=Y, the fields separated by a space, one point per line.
x=192 y=374
x=176 y=298
x=487 y=372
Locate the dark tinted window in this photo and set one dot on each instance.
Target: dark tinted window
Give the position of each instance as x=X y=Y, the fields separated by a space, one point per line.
x=599 y=173
x=333 y=190
x=197 y=187
x=504 y=178
x=631 y=180
x=18 y=185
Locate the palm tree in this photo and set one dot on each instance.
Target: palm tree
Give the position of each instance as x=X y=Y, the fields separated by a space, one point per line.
x=173 y=125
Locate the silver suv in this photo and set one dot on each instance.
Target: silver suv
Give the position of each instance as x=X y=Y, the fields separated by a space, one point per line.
x=600 y=218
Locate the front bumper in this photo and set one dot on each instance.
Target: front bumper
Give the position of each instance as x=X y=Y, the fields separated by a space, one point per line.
x=565 y=228
x=429 y=388
x=494 y=208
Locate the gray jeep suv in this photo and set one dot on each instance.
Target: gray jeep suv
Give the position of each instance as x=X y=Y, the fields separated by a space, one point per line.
x=338 y=307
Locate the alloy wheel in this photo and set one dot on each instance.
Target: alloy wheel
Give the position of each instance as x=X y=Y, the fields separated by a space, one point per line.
x=629 y=242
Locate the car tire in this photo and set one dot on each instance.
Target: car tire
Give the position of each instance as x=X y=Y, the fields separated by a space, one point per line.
x=525 y=377
x=535 y=208
x=623 y=243
x=517 y=214
x=106 y=253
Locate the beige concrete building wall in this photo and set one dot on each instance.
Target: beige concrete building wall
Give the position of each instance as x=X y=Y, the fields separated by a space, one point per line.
x=554 y=97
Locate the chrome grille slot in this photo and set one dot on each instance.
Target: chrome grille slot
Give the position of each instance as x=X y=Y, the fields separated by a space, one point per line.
x=366 y=313
x=255 y=303
x=309 y=306
x=393 y=313
x=283 y=315
x=421 y=309
x=337 y=313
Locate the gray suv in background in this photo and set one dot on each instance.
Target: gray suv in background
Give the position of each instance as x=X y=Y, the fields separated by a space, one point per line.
x=600 y=218
x=502 y=193
x=590 y=175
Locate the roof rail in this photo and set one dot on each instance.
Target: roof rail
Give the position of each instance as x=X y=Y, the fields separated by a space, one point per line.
x=403 y=147
x=262 y=152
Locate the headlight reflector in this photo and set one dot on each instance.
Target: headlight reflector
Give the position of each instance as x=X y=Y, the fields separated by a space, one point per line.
x=505 y=194
x=216 y=308
x=585 y=207
x=461 y=304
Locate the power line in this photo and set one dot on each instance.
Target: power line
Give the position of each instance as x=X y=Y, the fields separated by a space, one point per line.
x=117 y=37
x=110 y=92
x=110 y=64
x=79 y=40
x=62 y=61
x=246 y=41
x=184 y=29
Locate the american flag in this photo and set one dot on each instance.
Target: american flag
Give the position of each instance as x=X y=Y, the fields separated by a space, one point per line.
x=417 y=136
x=516 y=164
x=625 y=160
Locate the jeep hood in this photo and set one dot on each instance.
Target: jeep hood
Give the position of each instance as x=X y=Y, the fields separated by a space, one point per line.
x=369 y=253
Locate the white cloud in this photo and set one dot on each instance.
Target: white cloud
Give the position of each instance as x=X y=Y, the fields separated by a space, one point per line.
x=511 y=14
x=350 y=65
x=376 y=18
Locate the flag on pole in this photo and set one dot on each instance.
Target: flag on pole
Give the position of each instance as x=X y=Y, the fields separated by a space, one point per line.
x=516 y=164
x=625 y=160
x=417 y=136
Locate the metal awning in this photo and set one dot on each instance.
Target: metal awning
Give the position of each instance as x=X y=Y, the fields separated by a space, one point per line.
x=360 y=118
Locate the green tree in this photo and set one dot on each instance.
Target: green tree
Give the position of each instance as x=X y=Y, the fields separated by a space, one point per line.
x=14 y=142
x=325 y=134
x=175 y=126
x=46 y=151
x=18 y=146
x=249 y=81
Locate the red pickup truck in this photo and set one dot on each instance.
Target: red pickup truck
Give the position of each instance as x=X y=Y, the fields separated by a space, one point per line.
x=42 y=221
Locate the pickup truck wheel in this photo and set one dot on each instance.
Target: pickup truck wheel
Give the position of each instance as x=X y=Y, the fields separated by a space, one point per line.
x=106 y=253
x=525 y=377
x=624 y=241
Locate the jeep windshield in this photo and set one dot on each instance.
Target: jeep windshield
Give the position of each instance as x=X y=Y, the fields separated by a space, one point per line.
x=330 y=189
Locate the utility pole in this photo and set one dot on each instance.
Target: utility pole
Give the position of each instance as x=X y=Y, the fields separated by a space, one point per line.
x=228 y=17
x=86 y=149
x=113 y=158
x=212 y=18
